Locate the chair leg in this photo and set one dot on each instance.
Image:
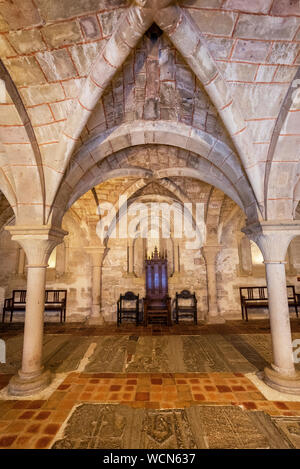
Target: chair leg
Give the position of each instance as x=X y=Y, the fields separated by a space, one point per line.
x=11 y=314
x=3 y=316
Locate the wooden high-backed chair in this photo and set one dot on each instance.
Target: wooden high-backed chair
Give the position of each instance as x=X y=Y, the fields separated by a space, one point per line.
x=128 y=307
x=186 y=306
x=157 y=304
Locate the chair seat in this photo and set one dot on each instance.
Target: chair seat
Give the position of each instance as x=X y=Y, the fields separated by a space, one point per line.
x=18 y=307
x=257 y=302
x=53 y=305
x=158 y=311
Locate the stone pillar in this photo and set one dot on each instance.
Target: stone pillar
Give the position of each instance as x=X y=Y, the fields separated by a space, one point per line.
x=96 y=253
x=210 y=253
x=273 y=239
x=60 y=259
x=38 y=242
x=176 y=260
x=130 y=250
x=245 y=256
x=21 y=261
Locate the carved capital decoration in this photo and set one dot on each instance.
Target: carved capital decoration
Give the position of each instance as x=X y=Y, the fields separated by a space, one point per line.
x=38 y=241
x=273 y=238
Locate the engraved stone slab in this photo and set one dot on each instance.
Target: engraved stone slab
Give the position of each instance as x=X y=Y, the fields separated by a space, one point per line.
x=121 y=427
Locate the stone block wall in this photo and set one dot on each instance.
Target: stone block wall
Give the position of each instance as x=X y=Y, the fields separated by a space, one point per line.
x=75 y=274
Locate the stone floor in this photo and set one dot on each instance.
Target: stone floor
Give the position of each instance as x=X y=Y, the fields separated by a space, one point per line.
x=133 y=387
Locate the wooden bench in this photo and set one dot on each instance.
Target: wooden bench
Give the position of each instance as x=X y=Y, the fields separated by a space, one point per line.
x=257 y=297
x=55 y=300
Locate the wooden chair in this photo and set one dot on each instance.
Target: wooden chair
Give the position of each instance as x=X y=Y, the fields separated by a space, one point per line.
x=185 y=306
x=128 y=307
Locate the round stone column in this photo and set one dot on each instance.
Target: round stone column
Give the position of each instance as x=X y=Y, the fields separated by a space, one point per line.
x=210 y=253
x=96 y=253
x=273 y=239
x=279 y=318
x=38 y=243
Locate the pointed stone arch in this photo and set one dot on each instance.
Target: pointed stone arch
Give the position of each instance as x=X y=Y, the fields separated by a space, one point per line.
x=282 y=184
x=222 y=167
x=185 y=35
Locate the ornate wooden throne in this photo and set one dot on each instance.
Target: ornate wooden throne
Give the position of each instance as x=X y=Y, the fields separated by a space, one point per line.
x=157 y=304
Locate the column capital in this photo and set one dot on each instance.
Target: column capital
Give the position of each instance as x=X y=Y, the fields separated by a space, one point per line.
x=273 y=237
x=38 y=241
x=96 y=253
x=130 y=241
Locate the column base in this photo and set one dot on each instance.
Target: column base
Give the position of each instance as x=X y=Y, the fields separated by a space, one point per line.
x=96 y=318
x=95 y=321
x=214 y=320
x=25 y=385
x=284 y=383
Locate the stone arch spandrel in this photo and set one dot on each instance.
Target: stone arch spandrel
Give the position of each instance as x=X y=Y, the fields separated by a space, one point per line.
x=130 y=28
x=21 y=159
x=187 y=38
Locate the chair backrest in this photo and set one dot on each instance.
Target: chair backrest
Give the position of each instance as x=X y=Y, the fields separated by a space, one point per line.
x=55 y=296
x=186 y=295
x=291 y=293
x=156 y=276
x=261 y=293
x=128 y=298
x=254 y=293
x=19 y=296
